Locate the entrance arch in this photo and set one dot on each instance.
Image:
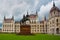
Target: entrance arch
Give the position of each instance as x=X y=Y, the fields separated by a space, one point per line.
x=57 y=30
x=25 y=29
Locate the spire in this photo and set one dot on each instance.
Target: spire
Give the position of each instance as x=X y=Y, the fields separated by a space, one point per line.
x=4 y=17
x=12 y=17
x=45 y=18
x=24 y=16
x=27 y=12
x=53 y=4
x=36 y=13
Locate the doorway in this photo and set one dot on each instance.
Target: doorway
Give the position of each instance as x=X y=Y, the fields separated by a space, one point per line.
x=57 y=30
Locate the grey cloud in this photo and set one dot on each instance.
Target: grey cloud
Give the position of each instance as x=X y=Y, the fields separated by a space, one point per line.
x=20 y=7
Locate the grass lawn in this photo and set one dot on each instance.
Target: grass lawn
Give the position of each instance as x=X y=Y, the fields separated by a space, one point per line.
x=29 y=37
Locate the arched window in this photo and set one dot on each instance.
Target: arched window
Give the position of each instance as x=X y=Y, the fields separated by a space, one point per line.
x=54 y=12
x=57 y=20
x=57 y=30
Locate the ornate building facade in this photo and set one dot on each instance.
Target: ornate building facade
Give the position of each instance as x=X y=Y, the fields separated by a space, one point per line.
x=8 y=25
x=49 y=26
x=17 y=26
x=54 y=20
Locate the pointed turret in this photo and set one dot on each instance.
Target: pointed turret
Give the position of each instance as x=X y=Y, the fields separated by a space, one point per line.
x=12 y=17
x=45 y=18
x=24 y=16
x=27 y=14
x=36 y=13
x=54 y=8
x=53 y=4
x=4 y=17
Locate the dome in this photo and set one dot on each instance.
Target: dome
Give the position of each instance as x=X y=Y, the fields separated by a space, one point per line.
x=54 y=8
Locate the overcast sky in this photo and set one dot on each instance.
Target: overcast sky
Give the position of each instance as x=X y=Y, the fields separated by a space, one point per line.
x=17 y=8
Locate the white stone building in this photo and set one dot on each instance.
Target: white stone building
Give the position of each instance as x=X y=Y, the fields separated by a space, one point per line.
x=49 y=26
x=8 y=25
x=54 y=20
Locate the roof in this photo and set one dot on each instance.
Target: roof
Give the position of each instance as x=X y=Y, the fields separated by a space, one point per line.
x=41 y=21
x=24 y=20
x=8 y=20
x=55 y=8
x=17 y=21
x=32 y=16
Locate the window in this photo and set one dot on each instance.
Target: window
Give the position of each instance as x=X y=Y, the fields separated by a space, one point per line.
x=53 y=21
x=35 y=30
x=54 y=12
x=50 y=22
x=37 y=27
x=38 y=30
x=57 y=22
